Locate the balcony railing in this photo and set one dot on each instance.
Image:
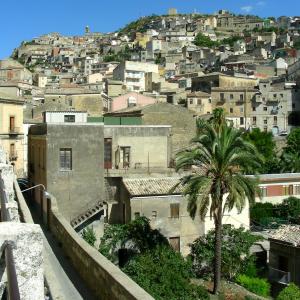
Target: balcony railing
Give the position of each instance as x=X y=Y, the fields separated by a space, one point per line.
x=13 y=156
x=279 y=276
x=14 y=130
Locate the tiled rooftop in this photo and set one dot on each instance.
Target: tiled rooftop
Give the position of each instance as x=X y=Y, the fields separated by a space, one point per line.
x=152 y=186
x=288 y=233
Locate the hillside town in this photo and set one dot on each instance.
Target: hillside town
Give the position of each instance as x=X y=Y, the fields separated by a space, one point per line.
x=150 y=145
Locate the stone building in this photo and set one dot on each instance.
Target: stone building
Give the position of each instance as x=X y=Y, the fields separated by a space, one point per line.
x=199 y=102
x=11 y=131
x=284 y=257
x=206 y=82
x=152 y=197
x=236 y=102
x=132 y=74
x=68 y=159
x=137 y=147
x=75 y=99
x=181 y=120
x=276 y=107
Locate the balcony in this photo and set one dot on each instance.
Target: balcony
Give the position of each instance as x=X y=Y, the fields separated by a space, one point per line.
x=14 y=130
x=13 y=156
x=279 y=276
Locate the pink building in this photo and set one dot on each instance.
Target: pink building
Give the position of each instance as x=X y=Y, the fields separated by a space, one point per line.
x=130 y=100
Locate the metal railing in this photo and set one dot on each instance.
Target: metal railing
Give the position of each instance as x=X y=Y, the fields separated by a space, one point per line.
x=14 y=130
x=13 y=156
x=12 y=288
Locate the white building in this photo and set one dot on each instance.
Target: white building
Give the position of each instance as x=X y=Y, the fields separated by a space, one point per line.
x=65 y=117
x=133 y=74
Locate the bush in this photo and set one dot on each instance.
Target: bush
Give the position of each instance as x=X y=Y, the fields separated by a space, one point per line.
x=164 y=274
x=292 y=292
x=236 y=257
x=255 y=285
x=88 y=234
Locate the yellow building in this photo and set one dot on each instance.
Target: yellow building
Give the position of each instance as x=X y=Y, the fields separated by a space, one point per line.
x=11 y=131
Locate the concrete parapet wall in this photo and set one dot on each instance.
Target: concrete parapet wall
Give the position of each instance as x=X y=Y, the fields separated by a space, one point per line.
x=105 y=279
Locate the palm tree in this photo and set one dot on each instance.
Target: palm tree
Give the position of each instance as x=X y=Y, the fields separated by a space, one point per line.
x=220 y=158
x=290 y=162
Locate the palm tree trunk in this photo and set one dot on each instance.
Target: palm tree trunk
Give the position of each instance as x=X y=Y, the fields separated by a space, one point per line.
x=218 y=254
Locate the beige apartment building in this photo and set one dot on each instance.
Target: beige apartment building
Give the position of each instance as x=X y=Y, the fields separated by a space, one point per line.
x=236 y=102
x=11 y=131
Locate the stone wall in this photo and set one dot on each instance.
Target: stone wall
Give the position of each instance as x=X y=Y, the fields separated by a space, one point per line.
x=105 y=279
x=26 y=239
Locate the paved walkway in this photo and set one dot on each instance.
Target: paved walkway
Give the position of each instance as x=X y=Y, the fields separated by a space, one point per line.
x=63 y=280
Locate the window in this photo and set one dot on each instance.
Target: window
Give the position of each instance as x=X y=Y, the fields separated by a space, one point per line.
x=241 y=121
x=11 y=124
x=222 y=96
x=175 y=243
x=231 y=110
x=266 y=121
x=154 y=214
x=265 y=108
x=70 y=102
x=107 y=153
x=275 y=120
x=199 y=101
x=65 y=159
x=231 y=96
x=137 y=215
x=288 y=190
x=265 y=129
x=254 y=120
x=281 y=95
x=241 y=109
x=263 y=191
x=297 y=189
x=274 y=95
x=174 y=208
x=294 y=105
x=253 y=108
x=191 y=101
x=69 y=118
x=241 y=97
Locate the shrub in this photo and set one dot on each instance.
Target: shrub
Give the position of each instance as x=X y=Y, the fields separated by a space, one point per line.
x=88 y=234
x=255 y=285
x=292 y=292
x=164 y=274
x=236 y=257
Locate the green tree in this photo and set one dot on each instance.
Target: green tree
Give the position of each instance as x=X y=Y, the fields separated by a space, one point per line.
x=136 y=236
x=293 y=142
x=204 y=41
x=220 y=156
x=291 y=292
x=290 y=162
x=236 y=257
x=88 y=234
x=264 y=143
x=164 y=274
x=289 y=209
x=231 y=40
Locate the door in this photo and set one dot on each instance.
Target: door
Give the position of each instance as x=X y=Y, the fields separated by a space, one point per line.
x=275 y=130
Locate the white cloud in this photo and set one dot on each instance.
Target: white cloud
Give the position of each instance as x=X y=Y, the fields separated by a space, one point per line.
x=247 y=8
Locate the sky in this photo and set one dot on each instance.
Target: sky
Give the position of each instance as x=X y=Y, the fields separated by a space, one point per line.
x=25 y=19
